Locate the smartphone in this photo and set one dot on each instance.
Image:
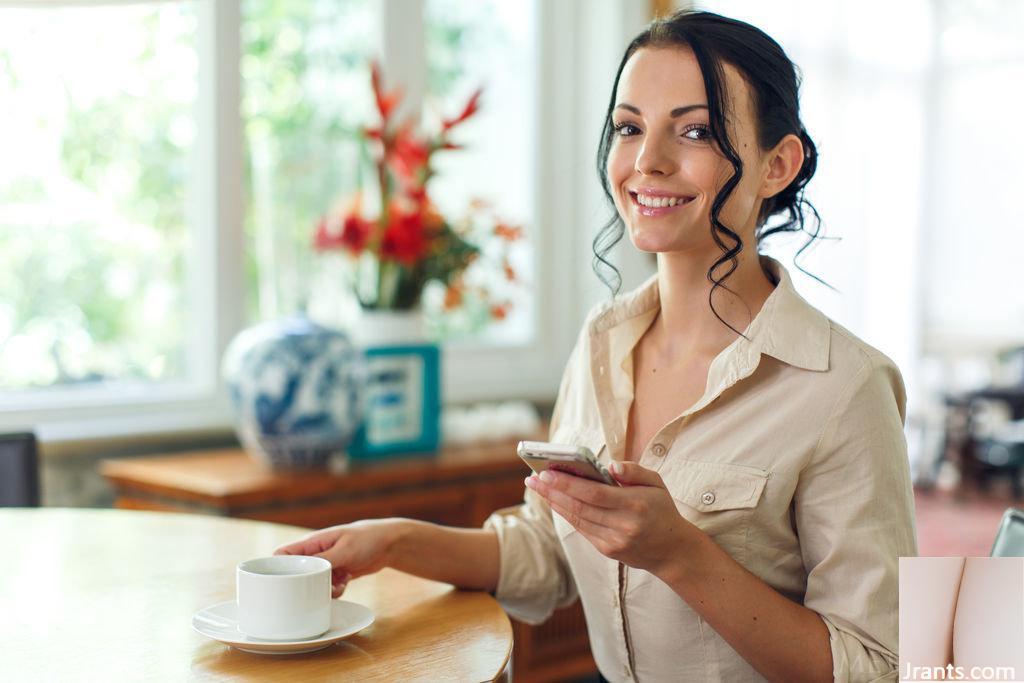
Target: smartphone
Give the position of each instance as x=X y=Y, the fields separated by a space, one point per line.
x=577 y=460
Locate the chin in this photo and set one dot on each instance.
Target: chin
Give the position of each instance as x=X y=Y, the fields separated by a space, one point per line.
x=654 y=243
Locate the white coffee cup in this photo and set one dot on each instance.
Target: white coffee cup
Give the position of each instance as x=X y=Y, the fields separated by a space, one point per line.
x=285 y=597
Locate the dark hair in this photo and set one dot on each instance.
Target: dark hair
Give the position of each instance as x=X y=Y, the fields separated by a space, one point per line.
x=774 y=85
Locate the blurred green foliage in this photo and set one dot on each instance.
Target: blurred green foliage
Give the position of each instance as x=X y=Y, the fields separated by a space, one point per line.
x=93 y=238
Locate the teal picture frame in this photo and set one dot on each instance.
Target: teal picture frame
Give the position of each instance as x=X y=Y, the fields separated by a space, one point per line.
x=403 y=402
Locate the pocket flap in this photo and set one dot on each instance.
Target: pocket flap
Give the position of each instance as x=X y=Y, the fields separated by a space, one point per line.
x=711 y=486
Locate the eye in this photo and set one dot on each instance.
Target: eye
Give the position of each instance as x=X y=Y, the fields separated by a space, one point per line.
x=697 y=131
x=621 y=129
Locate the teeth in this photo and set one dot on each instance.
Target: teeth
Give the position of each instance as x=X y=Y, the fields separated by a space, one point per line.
x=658 y=202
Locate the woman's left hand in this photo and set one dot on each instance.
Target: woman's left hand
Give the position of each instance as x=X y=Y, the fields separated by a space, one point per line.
x=636 y=523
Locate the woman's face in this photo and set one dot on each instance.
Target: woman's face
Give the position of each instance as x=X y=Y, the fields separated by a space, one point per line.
x=663 y=167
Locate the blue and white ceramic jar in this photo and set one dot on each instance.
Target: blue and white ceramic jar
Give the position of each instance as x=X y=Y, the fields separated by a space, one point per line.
x=295 y=388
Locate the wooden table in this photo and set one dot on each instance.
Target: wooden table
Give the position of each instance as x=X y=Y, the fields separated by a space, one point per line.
x=459 y=486
x=109 y=594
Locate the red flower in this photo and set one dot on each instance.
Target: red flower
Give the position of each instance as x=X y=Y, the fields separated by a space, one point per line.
x=418 y=194
x=355 y=232
x=325 y=239
x=404 y=239
x=410 y=154
x=386 y=102
x=471 y=108
x=352 y=236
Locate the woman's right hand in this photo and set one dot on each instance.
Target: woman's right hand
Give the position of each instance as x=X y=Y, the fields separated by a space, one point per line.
x=353 y=550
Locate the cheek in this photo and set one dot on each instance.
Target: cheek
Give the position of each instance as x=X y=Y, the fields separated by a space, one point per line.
x=743 y=196
x=619 y=169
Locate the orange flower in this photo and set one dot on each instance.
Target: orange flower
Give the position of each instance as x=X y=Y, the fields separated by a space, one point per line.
x=509 y=233
x=433 y=221
x=499 y=311
x=453 y=297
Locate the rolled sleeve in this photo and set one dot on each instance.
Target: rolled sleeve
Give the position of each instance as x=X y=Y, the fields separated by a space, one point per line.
x=855 y=517
x=534 y=577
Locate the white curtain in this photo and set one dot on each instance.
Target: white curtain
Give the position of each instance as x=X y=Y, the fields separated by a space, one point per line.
x=915 y=109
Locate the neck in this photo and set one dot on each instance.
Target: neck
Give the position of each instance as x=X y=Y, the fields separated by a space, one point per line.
x=686 y=327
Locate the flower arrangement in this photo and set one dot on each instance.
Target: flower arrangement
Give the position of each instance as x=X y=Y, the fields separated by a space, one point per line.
x=408 y=244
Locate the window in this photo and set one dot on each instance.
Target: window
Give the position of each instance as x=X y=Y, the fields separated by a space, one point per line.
x=492 y=43
x=305 y=92
x=974 y=236
x=166 y=168
x=95 y=191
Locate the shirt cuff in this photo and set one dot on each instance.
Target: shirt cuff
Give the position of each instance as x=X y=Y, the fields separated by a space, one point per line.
x=533 y=579
x=855 y=662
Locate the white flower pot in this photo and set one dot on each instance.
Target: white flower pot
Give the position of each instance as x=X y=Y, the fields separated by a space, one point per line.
x=381 y=327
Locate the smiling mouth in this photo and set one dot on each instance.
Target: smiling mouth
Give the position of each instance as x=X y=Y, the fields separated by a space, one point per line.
x=650 y=206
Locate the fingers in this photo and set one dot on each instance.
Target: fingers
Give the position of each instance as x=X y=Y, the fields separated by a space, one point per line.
x=321 y=544
x=339 y=581
x=635 y=474
x=572 y=508
x=592 y=530
x=314 y=544
x=591 y=492
x=290 y=549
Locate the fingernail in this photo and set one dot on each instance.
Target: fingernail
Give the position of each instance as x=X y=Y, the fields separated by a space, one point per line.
x=529 y=481
x=546 y=477
x=616 y=467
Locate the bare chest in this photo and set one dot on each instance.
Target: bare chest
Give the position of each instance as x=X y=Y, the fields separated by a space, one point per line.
x=659 y=396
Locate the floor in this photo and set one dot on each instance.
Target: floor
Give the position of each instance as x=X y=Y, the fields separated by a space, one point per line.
x=949 y=524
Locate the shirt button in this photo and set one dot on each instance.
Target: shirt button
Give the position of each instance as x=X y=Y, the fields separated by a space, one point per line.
x=658 y=449
x=708 y=497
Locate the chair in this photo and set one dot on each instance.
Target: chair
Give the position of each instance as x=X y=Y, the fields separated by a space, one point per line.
x=19 y=470
x=1010 y=536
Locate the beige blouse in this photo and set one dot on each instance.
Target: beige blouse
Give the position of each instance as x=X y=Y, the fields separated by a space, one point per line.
x=794 y=461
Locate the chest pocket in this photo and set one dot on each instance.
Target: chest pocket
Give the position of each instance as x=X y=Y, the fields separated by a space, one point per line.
x=719 y=498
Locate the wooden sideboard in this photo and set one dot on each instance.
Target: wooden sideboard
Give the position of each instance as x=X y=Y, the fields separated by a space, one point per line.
x=458 y=486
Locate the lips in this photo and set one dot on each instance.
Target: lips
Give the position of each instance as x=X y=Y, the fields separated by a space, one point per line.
x=658 y=196
x=655 y=192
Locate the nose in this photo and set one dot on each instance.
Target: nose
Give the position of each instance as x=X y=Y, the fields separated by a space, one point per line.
x=654 y=157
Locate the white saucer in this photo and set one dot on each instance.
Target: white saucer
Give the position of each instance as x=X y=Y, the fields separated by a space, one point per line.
x=220 y=622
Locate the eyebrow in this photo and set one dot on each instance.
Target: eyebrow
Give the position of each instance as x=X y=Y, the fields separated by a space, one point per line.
x=675 y=113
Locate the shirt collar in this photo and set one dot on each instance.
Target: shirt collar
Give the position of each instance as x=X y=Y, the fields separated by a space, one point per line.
x=786 y=328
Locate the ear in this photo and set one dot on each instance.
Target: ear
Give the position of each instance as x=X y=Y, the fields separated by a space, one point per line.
x=783 y=165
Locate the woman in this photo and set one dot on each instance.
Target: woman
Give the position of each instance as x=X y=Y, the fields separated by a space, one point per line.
x=765 y=494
